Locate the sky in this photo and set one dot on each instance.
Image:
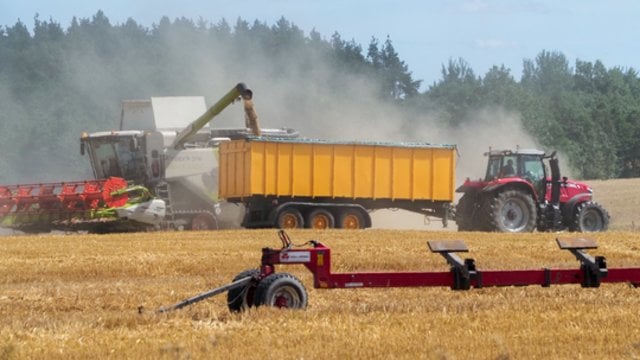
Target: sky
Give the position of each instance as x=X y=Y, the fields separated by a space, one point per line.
x=426 y=34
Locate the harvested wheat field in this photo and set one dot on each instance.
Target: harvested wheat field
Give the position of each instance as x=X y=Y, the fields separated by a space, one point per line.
x=90 y=296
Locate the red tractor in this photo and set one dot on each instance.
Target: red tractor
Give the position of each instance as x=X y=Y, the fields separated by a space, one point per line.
x=518 y=195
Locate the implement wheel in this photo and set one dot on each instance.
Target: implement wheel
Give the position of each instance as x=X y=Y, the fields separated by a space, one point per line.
x=289 y=218
x=320 y=219
x=242 y=298
x=281 y=290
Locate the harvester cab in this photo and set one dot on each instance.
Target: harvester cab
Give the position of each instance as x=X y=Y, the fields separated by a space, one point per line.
x=523 y=191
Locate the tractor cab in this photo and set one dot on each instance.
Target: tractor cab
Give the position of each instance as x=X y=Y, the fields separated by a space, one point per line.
x=523 y=164
x=519 y=163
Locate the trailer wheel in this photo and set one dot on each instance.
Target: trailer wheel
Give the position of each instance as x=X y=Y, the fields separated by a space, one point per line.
x=281 y=290
x=590 y=217
x=290 y=218
x=204 y=221
x=240 y=299
x=350 y=219
x=320 y=219
x=513 y=211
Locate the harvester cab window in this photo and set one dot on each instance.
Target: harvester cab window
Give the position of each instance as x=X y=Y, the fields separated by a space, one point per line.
x=118 y=157
x=105 y=158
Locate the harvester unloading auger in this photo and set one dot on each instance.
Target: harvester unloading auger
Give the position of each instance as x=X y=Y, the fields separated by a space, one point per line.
x=263 y=286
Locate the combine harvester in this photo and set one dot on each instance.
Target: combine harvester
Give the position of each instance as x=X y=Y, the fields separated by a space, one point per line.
x=152 y=173
x=264 y=286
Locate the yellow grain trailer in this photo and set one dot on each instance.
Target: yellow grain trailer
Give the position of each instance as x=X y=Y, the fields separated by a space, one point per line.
x=318 y=184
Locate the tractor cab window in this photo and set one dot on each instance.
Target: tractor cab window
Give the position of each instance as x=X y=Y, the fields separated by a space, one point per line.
x=534 y=172
x=493 y=168
x=533 y=168
x=509 y=166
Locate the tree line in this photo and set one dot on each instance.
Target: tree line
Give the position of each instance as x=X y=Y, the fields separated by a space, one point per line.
x=56 y=83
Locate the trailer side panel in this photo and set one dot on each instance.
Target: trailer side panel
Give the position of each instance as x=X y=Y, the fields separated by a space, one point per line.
x=336 y=170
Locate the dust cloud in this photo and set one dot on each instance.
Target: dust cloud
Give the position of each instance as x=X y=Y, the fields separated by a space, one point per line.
x=301 y=91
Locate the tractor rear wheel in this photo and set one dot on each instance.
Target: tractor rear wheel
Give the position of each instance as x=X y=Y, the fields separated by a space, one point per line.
x=242 y=298
x=590 y=217
x=464 y=213
x=289 y=218
x=513 y=211
x=281 y=290
x=320 y=219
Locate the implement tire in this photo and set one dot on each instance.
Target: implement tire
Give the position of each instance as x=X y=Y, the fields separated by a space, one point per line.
x=242 y=298
x=281 y=290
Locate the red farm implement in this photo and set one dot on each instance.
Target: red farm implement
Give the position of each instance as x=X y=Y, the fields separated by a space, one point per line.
x=263 y=286
x=63 y=205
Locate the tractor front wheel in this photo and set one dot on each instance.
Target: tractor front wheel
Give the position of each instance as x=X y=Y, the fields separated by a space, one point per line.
x=590 y=217
x=513 y=211
x=281 y=290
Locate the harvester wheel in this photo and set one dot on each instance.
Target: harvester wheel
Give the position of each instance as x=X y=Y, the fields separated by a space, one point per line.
x=350 y=219
x=590 y=217
x=290 y=218
x=320 y=219
x=204 y=221
x=240 y=299
x=513 y=211
x=281 y=290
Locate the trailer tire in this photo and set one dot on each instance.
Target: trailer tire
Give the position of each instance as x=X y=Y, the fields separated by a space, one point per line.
x=350 y=219
x=590 y=217
x=242 y=298
x=281 y=290
x=204 y=221
x=513 y=211
x=289 y=218
x=320 y=219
